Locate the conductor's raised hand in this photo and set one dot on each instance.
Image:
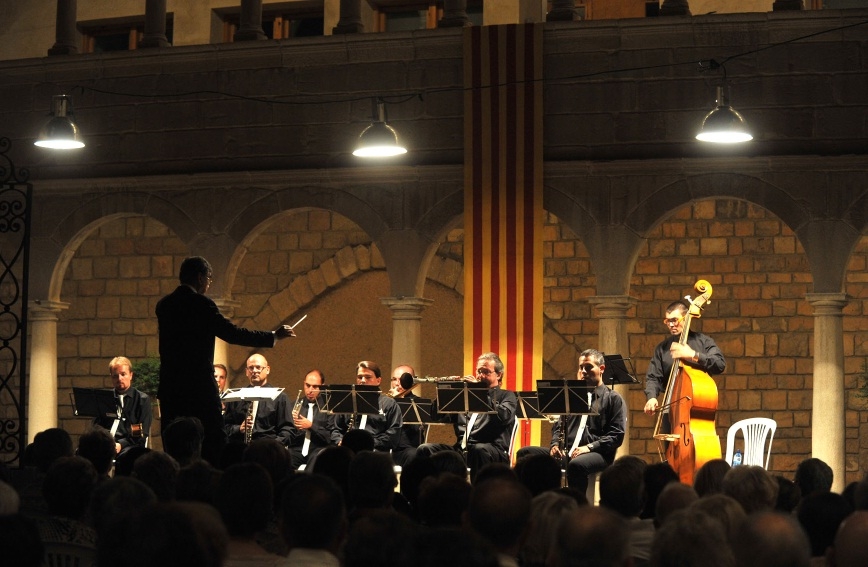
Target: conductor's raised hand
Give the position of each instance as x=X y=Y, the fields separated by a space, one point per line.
x=283 y=331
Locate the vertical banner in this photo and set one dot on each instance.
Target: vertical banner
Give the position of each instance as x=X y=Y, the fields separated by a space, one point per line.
x=503 y=206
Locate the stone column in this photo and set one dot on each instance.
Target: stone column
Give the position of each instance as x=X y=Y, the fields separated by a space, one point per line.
x=612 y=314
x=827 y=423
x=563 y=11
x=155 y=25
x=64 y=29
x=675 y=8
x=351 y=18
x=454 y=14
x=406 y=329
x=42 y=387
x=250 y=27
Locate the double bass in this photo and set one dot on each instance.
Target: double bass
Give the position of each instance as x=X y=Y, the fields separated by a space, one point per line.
x=691 y=401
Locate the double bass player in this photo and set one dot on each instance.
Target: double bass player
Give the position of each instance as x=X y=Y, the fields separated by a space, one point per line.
x=700 y=351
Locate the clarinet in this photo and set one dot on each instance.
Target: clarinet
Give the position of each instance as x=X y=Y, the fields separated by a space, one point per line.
x=562 y=441
x=251 y=415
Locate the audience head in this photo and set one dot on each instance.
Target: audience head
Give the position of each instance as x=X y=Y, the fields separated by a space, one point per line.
x=372 y=481
x=789 y=495
x=453 y=546
x=334 y=462
x=50 y=445
x=272 y=455
x=860 y=495
x=494 y=470
x=539 y=472
x=159 y=471
x=656 y=477
x=68 y=485
x=813 y=475
x=244 y=499
x=182 y=439
x=499 y=511
x=690 y=538
x=771 y=539
x=621 y=487
x=709 y=477
x=724 y=509
x=313 y=514
x=10 y=502
x=820 y=514
x=851 y=542
x=97 y=446
x=383 y=538
x=114 y=500
x=591 y=537
x=546 y=512
x=197 y=482
x=412 y=476
x=752 y=487
x=449 y=461
x=675 y=496
x=358 y=440
x=443 y=500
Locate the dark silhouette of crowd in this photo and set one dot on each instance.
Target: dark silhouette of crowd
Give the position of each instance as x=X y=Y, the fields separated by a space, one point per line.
x=348 y=509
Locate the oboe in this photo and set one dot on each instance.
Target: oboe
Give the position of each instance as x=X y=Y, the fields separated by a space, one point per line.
x=251 y=417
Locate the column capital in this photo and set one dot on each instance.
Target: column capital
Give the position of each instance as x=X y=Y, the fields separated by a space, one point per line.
x=406 y=307
x=227 y=306
x=612 y=306
x=827 y=303
x=45 y=310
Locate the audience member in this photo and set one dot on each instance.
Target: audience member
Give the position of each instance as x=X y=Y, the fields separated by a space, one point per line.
x=547 y=509
x=313 y=521
x=813 y=475
x=789 y=495
x=159 y=471
x=690 y=538
x=9 y=500
x=539 y=473
x=820 y=514
x=334 y=462
x=48 y=446
x=724 y=509
x=851 y=542
x=443 y=500
x=709 y=477
x=371 y=484
x=114 y=501
x=675 y=496
x=244 y=499
x=273 y=457
x=496 y=470
x=860 y=496
x=499 y=511
x=124 y=463
x=591 y=536
x=182 y=439
x=771 y=539
x=412 y=477
x=655 y=478
x=358 y=440
x=449 y=461
x=438 y=547
x=382 y=538
x=67 y=489
x=752 y=487
x=97 y=446
x=197 y=482
x=621 y=491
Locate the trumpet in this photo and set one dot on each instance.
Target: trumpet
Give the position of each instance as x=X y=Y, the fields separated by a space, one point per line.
x=297 y=405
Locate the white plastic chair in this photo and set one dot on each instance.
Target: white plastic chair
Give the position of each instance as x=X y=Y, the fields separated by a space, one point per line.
x=755 y=430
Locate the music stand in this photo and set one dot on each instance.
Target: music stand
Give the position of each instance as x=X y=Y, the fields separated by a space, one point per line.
x=616 y=370
x=415 y=411
x=464 y=397
x=528 y=406
x=352 y=399
x=564 y=397
x=251 y=393
x=94 y=402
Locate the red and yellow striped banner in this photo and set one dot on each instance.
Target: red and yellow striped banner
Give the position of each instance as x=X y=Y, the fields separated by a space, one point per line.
x=503 y=203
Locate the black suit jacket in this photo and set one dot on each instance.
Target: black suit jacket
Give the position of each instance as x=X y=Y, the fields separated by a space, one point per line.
x=136 y=410
x=188 y=324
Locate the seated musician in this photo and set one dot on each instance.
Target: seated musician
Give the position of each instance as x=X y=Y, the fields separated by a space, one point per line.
x=271 y=418
x=131 y=425
x=484 y=438
x=385 y=426
x=310 y=433
x=589 y=441
x=412 y=435
x=700 y=351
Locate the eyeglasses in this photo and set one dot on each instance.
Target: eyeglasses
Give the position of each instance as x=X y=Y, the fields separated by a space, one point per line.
x=673 y=320
x=485 y=371
x=256 y=368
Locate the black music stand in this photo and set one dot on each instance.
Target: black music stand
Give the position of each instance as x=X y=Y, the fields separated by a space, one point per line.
x=463 y=397
x=415 y=411
x=94 y=402
x=528 y=406
x=564 y=397
x=616 y=371
x=352 y=399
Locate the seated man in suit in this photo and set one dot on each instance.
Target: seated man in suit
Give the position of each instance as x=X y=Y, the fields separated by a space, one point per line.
x=310 y=433
x=248 y=419
x=131 y=425
x=385 y=425
x=412 y=435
